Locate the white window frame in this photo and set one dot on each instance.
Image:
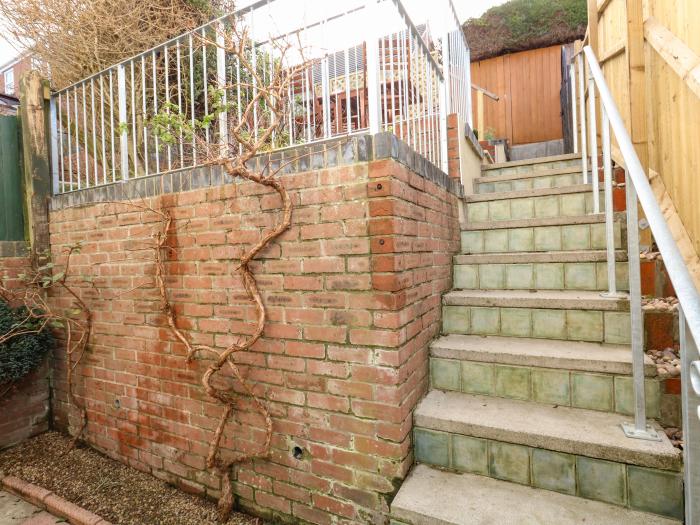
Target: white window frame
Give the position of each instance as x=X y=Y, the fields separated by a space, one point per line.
x=9 y=84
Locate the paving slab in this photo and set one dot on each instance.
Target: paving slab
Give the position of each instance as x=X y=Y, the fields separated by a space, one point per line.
x=553 y=299
x=15 y=511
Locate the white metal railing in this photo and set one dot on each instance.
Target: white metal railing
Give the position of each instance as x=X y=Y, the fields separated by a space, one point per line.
x=638 y=191
x=389 y=79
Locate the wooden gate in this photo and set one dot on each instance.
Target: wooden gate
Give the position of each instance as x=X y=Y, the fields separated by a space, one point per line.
x=11 y=216
x=528 y=84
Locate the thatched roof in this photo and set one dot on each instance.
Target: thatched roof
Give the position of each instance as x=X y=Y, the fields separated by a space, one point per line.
x=519 y=25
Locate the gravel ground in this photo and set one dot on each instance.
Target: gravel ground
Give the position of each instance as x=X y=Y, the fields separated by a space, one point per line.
x=116 y=492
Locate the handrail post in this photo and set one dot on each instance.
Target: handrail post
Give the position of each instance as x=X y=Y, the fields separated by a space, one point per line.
x=574 y=114
x=582 y=110
x=372 y=43
x=123 y=127
x=609 y=225
x=221 y=85
x=594 y=144
x=53 y=118
x=639 y=429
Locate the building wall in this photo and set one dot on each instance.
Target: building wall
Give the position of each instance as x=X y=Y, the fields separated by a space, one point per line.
x=24 y=410
x=528 y=84
x=19 y=68
x=353 y=292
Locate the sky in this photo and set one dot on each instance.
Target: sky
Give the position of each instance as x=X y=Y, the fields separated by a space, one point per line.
x=465 y=9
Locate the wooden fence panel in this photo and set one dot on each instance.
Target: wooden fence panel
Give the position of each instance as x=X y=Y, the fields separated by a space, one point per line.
x=11 y=219
x=528 y=84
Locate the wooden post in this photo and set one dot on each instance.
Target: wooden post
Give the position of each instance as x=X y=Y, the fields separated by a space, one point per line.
x=593 y=25
x=36 y=178
x=481 y=128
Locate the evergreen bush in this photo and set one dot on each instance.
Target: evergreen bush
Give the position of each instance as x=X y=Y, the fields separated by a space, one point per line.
x=23 y=353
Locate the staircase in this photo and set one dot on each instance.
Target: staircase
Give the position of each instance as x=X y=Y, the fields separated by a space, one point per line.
x=531 y=378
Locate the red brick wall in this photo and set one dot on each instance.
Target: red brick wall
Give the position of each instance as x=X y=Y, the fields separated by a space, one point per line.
x=24 y=410
x=353 y=294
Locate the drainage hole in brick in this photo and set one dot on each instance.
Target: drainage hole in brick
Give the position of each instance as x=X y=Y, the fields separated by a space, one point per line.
x=298 y=452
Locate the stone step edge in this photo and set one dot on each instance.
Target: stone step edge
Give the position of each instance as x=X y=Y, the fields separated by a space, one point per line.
x=591 y=218
x=51 y=502
x=527 y=175
x=527 y=162
x=430 y=496
x=581 y=256
x=550 y=299
x=503 y=350
x=577 y=431
x=524 y=194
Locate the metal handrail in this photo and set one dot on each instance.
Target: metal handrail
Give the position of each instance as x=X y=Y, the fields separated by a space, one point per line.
x=639 y=190
x=688 y=295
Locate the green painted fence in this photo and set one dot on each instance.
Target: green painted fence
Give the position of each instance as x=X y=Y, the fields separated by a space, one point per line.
x=11 y=216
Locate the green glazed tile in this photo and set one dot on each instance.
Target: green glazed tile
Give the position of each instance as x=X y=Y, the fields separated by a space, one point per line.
x=516 y=322
x=624 y=396
x=549 y=276
x=548 y=324
x=592 y=391
x=445 y=373
x=551 y=386
x=519 y=277
x=522 y=209
x=513 y=382
x=580 y=276
x=521 y=240
x=656 y=491
x=496 y=241
x=478 y=211
x=601 y=480
x=469 y=454
x=432 y=447
x=543 y=182
x=466 y=277
x=477 y=378
x=521 y=184
x=576 y=237
x=499 y=210
x=491 y=276
x=584 y=325
x=455 y=319
x=547 y=206
x=553 y=471
x=509 y=462
x=548 y=238
x=485 y=321
x=503 y=186
x=473 y=241
x=573 y=204
x=617 y=327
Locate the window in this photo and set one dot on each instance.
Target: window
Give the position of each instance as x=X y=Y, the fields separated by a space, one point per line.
x=9 y=78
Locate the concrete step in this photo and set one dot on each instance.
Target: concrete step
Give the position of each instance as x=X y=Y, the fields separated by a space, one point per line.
x=570 y=270
x=550 y=314
x=528 y=165
x=434 y=497
x=571 y=450
x=566 y=373
x=540 y=235
x=571 y=201
x=541 y=178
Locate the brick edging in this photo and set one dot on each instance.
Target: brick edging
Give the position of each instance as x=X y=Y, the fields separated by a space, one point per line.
x=50 y=502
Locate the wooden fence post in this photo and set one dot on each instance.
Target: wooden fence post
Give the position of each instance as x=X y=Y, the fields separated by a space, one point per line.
x=36 y=179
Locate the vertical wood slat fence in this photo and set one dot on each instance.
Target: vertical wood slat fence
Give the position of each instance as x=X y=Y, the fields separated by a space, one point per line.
x=11 y=214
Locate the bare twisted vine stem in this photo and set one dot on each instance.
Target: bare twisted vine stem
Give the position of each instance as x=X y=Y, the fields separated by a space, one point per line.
x=40 y=315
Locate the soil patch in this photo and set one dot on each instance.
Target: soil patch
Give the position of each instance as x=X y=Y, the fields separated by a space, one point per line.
x=116 y=492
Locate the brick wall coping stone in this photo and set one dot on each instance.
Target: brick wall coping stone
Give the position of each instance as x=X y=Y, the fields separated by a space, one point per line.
x=321 y=155
x=13 y=249
x=52 y=503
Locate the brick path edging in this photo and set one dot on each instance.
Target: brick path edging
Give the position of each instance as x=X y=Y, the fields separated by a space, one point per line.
x=52 y=503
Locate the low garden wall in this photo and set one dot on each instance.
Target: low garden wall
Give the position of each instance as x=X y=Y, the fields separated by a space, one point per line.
x=24 y=408
x=353 y=292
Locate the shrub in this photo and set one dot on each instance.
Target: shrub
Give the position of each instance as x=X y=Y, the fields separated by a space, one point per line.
x=22 y=353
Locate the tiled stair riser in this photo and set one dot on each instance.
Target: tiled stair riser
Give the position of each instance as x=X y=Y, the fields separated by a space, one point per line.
x=571 y=325
x=539 y=238
x=560 y=180
x=640 y=488
x=529 y=168
x=578 y=389
x=540 y=276
x=544 y=206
